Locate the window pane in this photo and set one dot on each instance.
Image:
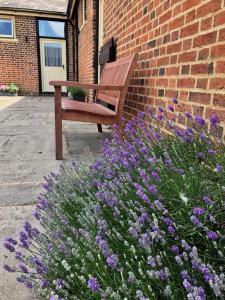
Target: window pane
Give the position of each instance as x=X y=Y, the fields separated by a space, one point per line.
x=52 y=29
x=53 y=55
x=6 y=28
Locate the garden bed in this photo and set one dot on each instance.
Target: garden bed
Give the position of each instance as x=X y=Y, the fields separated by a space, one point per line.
x=144 y=221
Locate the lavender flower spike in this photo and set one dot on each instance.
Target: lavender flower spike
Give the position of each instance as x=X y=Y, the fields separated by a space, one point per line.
x=93 y=284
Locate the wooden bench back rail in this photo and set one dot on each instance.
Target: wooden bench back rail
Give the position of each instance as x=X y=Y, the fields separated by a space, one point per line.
x=112 y=90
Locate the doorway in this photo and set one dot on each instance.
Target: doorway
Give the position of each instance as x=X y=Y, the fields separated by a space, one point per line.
x=53 y=62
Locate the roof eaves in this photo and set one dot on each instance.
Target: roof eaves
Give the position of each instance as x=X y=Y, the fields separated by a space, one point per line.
x=34 y=11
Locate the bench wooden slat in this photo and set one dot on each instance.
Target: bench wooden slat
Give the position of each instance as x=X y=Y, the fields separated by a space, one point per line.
x=87 y=108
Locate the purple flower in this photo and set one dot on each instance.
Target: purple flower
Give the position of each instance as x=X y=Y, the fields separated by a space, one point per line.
x=195 y=221
x=93 y=284
x=29 y=285
x=44 y=283
x=23 y=268
x=175 y=249
x=11 y=241
x=218 y=168
x=155 y=176
x=18 y=255
x=188 y=115
x=112 y=261
x=187 y=285
x=175 y=100
x=145 y=241
x=21 y=279
x=161 y=109
x=36 y=215
x=211 y=152
x=151 y=261
x=163 y=275
x=207 y=200
x=212 y=235
x=171 y=108
x=198 y=211
x=214 y=119
x=152 y=189
x=160 y=117
x=200 y=120
x=9 y=247
x=9 y=269
x=171 y=230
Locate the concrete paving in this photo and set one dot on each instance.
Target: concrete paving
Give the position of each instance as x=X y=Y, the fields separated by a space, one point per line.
x=27 y=151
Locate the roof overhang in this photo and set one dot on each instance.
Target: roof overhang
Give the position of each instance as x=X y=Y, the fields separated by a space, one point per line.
x=31 y=12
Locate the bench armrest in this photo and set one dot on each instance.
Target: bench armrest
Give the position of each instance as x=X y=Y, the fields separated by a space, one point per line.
x=87 y=85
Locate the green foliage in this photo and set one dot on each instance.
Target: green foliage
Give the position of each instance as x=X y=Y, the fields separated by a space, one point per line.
x=12 y=88
x=76 y=91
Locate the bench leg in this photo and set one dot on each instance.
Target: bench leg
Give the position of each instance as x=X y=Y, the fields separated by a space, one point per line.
x=99 y=127
x=58 y=138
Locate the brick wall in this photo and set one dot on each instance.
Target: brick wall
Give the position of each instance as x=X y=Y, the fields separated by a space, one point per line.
x=181 y=46
x=18 y=59
x=86 y=42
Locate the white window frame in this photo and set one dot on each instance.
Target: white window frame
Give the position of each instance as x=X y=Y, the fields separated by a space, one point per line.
x=12 y=36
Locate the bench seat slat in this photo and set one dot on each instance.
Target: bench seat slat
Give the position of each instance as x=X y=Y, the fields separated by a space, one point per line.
x=87 y=108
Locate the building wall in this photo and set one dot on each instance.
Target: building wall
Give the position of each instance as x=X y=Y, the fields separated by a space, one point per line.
x=86 y=44
x=18 y=59
x=181 y=46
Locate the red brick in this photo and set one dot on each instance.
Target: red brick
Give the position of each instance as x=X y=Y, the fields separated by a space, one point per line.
x=187 y=56
x=174 y=48
x=203 y=54
x=218 y=51
x=190 y=4
x=187 y=44
x=219 y=19
x=199 y=69
x=222 y=35
x=176 y=23
x=190 y=16
x=217 y=83
x=220 y=67
x=208 y=8
x=206 y=24
x=205 y=39
x=172 y=71
x=165 y=17
x=186 y=83
x=202 y=83
x=202 y=98
x=219 y=100
x=189 y=30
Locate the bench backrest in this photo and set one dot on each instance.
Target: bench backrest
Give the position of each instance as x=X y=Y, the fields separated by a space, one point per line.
x=117 y=73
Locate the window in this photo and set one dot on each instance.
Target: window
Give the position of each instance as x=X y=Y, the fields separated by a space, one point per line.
x=6 y=27
x=53 y=29
x=53 y=55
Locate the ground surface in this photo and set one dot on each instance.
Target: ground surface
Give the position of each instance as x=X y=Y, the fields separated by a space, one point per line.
x=27 y=154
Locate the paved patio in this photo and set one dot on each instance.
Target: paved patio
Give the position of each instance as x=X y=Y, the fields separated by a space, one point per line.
x=27 y=154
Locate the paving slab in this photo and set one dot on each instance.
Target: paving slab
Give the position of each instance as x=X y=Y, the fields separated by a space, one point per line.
x=27 y=153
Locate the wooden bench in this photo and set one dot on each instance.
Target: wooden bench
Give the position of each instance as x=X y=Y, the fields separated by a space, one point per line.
x=111 y=90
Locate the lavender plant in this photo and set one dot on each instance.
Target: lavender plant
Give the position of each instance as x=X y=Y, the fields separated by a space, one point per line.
x=144 y=221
